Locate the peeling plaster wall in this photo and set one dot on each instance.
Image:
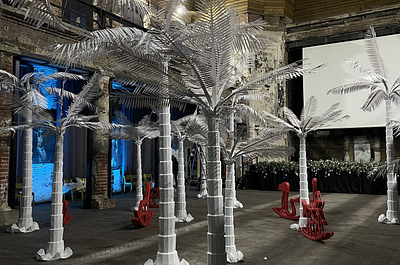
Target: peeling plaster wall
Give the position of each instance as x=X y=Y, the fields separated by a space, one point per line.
x=275 y=92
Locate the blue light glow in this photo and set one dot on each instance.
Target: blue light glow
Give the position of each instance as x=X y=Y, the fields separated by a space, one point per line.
x=42 y=179
x=117 y=180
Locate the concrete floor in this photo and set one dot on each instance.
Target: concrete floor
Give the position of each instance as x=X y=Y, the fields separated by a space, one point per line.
x=108 y=236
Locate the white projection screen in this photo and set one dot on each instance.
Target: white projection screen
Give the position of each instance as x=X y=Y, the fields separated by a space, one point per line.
x=339 y=72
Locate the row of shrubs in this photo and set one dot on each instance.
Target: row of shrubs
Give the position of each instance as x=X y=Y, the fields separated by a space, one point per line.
x=333 y=165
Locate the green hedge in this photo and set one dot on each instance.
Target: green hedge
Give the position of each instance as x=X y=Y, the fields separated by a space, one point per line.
x=320 y=165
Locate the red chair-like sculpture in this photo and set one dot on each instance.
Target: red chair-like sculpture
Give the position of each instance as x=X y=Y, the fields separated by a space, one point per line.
x=153 y=197
x=284 y=211
x=314 y=229
x=66 y=217
x=143 y=215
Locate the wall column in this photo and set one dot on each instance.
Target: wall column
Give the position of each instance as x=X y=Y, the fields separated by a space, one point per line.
x=100 y=172
x=7 y=216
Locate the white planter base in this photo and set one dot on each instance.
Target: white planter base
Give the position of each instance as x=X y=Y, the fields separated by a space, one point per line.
x=383 y=219
x=41 y=255
x=150 y=262
x=188 y=218
x=234 y=257
x=15 y=229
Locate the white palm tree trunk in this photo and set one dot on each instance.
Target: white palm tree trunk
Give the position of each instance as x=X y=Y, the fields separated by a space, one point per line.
x=181 y=213
x=303 y=179
x=216 y=254
x=139 y=189
x=55 y=246
x=167 y=254
x=236 y=203
x=203 y=174
x=25 y=221
x=233 y=256
x=392 y=213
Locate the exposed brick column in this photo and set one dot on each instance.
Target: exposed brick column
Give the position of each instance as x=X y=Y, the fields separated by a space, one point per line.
x=100 y=200
x=7 y=217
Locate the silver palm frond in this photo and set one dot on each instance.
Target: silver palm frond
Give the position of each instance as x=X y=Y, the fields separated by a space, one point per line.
x=286 y=72
x=245 y=112
x=374 y=55
x=309 y=121
x=381 y=172
x=265 y=144
x=137 y=99
x=14 y=128
x=371 y=75
x=350 y=88
x=60 y=76
x=279 y=121
x=294 y=121
x=96 y=125
x=40 y=12
x=396 y=127
x=90 y=91
x=181 y=127
x=145 y=128
x=309 y=109
x=7 y=81
x=375 y=98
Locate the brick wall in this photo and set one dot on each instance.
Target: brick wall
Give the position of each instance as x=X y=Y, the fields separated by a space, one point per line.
x=6 y=63
x=100 y=155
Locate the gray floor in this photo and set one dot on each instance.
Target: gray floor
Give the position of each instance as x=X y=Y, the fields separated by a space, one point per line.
x=108 y=236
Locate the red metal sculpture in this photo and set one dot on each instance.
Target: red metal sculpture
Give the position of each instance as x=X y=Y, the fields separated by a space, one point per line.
x=143 y=215
x=66 y=217
x=284 y=211
x=153 y=197
x=314 y=229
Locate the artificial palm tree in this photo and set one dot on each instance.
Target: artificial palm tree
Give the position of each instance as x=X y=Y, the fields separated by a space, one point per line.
x=376 y=80
x=144 y=129
x=309 y=121
x=238 y=108
x=72 y=118
x=265 y=144
x=28 y=98
x=180 y=128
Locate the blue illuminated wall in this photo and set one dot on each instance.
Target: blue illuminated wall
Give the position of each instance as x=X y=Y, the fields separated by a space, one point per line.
x=43 y=147
x=116 y=165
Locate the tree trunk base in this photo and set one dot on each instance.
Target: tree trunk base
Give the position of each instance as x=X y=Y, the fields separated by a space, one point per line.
x=41 y=255
x=150 y=262
x=385 y=220
x=186 y=218
x=234 y=257
x=15 y=229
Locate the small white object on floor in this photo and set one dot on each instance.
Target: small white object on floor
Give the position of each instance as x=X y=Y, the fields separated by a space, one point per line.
x=295 y=227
